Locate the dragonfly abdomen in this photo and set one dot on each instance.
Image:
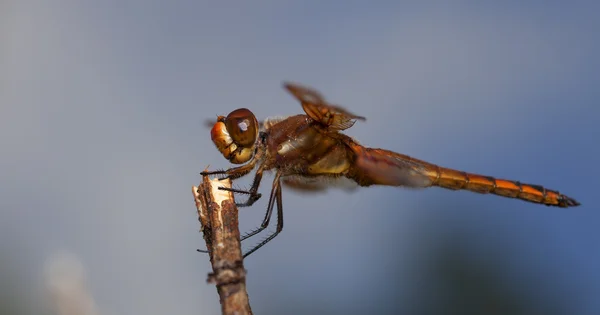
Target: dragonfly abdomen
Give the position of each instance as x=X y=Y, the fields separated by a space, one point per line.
x=456 y=180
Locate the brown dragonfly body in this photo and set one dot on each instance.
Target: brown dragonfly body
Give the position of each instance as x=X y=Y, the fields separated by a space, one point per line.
x=305 y=149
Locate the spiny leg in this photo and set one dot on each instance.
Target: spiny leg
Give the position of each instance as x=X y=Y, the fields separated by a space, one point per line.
x=237 y=172
x=275 y=194
x=279 y=224
x=254 y=196
x=253 y=192
x=269 y=208
x=232 y=173
x=265 y=223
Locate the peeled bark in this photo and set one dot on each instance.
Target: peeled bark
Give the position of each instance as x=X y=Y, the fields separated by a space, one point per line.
x=218 y=216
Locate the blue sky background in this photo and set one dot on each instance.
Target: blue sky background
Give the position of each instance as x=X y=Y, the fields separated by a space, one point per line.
x=102 y=106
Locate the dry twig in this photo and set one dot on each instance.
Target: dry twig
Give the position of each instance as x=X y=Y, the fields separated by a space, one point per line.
x=218 y=216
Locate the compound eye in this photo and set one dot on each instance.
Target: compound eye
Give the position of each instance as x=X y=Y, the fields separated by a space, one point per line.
x=242 y=127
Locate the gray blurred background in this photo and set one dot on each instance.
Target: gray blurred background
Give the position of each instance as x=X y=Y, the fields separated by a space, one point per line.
x=102 y=111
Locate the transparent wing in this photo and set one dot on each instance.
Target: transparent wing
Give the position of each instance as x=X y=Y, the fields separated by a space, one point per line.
x=383 y=167
x=318 y=184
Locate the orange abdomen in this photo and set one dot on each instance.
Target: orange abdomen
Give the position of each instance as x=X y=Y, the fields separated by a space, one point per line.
x=455 y=180
x=383 y=167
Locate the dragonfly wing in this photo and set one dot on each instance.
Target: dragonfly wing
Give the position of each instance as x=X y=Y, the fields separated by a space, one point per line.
x=317 y=184
x=315 y=106
x=303 y=184
x=383 y=167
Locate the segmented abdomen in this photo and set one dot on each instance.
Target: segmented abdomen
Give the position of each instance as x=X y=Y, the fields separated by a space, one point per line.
x=383 y=167
x=455 y=180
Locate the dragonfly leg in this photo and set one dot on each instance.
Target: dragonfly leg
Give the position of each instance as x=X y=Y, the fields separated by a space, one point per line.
x=266 y=220
x=236 y=172
x=253 y=192
x=232 y=173
x=277 y=192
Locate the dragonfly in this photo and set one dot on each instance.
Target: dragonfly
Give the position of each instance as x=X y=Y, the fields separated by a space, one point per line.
x=309 y=152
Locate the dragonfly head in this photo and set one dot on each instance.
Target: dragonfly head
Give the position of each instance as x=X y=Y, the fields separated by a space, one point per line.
x=235 y=135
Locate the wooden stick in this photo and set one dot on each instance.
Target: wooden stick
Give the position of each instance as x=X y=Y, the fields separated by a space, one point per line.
x=218 y=216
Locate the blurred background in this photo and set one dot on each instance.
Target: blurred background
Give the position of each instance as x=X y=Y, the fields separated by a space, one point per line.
x=102 y=111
